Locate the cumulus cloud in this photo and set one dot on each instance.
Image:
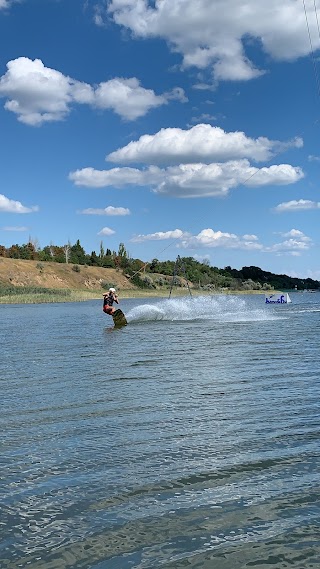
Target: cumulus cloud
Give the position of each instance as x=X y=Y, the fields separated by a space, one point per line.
x=297 y=205
x=293 y=246
x=250 y=237
x=117 y=177
x=296 y=234
x=210 y=238
x=201 y=143
x=213 y=35
x=128 y=99
x=208 y=180
x=281 y=175
x=106 y=231
x=207 y=238
x=159 y=236
x=190 y=180
x=11 y=206
x=39 y=94
x=295 y=241
x=110 y=210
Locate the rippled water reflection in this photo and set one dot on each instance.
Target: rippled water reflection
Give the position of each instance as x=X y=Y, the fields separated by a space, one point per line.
x=189 y=438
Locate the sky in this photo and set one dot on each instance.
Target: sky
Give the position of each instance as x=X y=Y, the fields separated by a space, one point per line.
x=175 y=127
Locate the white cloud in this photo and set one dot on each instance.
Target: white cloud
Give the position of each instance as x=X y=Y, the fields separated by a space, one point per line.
x=129 y=100
x=117 y=177
x=208 y=180
x=296 y=234
x=207 y=238
x=201 y=143
x=190 y=180
x=110 y=210
x=250 y=237
x=202 y=258
x=313 y=158
x=210 y=238
x=297 y=205
x=203 y=117
x=7 y=3
x=106 y=231
x=159 y=236
x=289 y=246
x=12 y=228
x=295 y=244
x=38 y=94
x=11 y=206
x=280 y=175
x=213 y=34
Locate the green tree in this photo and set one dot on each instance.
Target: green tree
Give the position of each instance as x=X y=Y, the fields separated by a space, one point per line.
x=102 y=251
x=28 y=252
x=154 y=266
x=77 y=254
x=14 y=252
x=3 y=251
x=95 y=260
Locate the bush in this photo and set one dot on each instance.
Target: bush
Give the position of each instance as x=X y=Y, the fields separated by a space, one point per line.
x=76 y=268
x=106 y=285
x=140 y=282
x=148 y=282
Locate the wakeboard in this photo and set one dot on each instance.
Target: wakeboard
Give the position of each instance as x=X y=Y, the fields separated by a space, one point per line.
x=119 y=318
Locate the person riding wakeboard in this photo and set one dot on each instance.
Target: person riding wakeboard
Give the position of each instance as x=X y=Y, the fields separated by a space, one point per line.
x=108 y=299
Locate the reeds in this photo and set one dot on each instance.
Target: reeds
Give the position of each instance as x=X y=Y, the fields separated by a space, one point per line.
x=35 y=295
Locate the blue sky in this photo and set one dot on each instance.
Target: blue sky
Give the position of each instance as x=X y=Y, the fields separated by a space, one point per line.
x=176 y=127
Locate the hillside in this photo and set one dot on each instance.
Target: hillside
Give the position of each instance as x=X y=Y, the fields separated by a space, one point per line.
x=18 y=272
x=48 y=277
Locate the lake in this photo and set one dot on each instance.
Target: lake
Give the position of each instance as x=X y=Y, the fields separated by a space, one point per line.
x=187 y=439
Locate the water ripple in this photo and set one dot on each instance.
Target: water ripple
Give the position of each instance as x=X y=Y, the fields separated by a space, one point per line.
x=188 y=439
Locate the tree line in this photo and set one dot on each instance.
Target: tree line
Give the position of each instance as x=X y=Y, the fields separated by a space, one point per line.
x=159 y=273
x=68 y=253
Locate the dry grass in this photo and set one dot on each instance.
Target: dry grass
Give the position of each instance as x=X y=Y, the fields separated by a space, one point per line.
x=39 y=298
x=27 y=282
x=17 y=272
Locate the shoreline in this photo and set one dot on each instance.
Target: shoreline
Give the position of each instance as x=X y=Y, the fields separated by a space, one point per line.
x=70 y=295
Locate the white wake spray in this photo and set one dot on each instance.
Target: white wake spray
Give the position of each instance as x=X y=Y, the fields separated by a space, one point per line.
x=221 y=308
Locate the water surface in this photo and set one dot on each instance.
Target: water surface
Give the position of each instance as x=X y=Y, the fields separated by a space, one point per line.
x=188 y=439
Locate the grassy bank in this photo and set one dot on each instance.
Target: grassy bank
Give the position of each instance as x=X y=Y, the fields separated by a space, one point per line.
x=30 y=282
x=38 y=295
x=25 y=296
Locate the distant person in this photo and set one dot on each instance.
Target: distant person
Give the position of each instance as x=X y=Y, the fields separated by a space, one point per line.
x=108 y=299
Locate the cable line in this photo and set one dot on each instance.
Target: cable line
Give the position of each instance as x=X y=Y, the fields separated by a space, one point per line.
x=310 y=41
